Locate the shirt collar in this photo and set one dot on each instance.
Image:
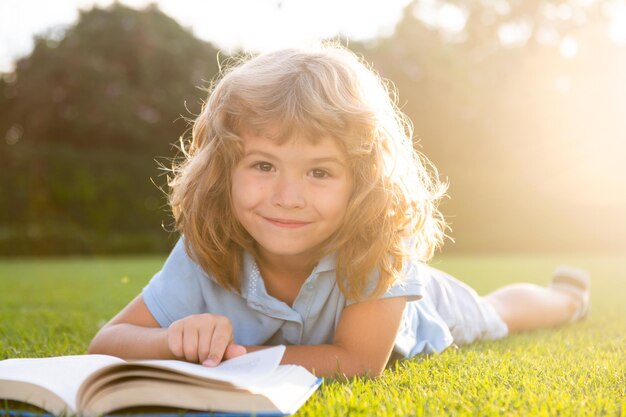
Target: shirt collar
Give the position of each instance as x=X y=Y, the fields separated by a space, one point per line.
x=327 y=263
x=252 y=282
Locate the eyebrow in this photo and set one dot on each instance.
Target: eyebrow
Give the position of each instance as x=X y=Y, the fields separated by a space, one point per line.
x=323 y=159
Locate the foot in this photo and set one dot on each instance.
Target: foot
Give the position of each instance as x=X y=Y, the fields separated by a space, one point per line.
x=576 y=283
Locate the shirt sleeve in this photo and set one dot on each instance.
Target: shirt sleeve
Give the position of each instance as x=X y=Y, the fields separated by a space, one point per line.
x=411 y=286
x=176 y=290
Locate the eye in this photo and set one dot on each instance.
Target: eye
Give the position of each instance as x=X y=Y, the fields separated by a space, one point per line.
x=264 y=166
x=319 y=173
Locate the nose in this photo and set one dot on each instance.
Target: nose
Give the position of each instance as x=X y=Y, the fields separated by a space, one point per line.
x=288 y=192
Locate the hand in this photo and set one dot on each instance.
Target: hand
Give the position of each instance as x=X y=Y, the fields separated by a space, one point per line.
x=203 y=338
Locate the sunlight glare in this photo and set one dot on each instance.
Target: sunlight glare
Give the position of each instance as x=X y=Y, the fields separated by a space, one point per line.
x=447 y=17
x=569 y=47
x=515 y=34
x=616 y=13
x=563 y=83
x=547 y=36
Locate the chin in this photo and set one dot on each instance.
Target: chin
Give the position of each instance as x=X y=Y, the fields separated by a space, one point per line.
x=286 y=250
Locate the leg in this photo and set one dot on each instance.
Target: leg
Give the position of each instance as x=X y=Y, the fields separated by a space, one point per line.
x=527 y=306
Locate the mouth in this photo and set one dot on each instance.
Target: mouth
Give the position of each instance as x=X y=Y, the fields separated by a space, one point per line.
x=286 y=223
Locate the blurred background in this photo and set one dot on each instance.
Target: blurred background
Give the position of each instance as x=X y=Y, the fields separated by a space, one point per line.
x=521 y=105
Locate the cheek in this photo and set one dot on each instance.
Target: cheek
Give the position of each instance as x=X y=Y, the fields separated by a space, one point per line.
x=237 y=191
x=335 y=203
x=245 y=192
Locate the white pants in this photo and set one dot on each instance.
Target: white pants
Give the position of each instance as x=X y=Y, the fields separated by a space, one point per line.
x=450 y=312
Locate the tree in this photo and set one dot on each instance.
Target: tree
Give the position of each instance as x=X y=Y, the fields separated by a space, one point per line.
x=83 y=118
x=521 y=109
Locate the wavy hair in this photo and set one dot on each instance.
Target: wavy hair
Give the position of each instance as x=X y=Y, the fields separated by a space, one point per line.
x=327 y=92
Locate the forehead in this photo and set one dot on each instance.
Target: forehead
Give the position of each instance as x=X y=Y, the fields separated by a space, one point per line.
x=318 y=145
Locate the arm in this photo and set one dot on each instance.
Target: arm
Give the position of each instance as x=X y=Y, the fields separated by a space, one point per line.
x=134 y=334
x=362 y=344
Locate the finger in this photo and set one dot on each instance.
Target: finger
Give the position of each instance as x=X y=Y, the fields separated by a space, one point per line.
x=204 y=342
x=190 y=344
x=175 y=340
x=222 y=336
x=233 y=350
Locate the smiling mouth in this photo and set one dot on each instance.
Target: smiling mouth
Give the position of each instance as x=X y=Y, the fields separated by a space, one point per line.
x=287 y=223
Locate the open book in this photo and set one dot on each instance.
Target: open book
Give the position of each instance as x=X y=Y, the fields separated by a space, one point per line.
x=94 y=385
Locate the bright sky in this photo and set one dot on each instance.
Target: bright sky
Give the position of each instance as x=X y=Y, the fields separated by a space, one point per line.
x=252 y=24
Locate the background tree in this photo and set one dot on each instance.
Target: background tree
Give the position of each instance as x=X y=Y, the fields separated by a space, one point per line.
x=83 y=117
x=520 y=105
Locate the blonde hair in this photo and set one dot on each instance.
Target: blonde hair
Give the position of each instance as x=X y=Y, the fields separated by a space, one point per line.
x=393 y=210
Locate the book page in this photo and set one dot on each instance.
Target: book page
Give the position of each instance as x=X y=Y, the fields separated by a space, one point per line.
x=288 y=387
x=60 y=375
x=283 y=391
x=241 y=371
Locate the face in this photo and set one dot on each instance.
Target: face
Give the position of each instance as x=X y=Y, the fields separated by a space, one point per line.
x=290 y=197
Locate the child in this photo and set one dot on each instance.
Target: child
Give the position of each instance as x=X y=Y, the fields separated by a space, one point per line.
x=305 y=216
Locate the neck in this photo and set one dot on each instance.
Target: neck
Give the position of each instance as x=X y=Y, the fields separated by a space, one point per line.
x=283 y=276
x=294 y=267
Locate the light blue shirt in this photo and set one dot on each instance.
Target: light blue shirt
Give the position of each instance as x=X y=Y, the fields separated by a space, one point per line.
x=182 y=288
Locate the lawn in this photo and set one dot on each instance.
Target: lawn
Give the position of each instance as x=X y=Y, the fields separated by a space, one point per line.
x=52 y=307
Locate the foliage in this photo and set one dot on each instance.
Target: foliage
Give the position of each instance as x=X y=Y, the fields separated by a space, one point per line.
x=64 y=189
x=54 y=307
x=117 y=79
x=85 y=116
x=528 y=133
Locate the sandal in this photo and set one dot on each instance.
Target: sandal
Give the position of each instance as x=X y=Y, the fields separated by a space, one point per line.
x=577 y=282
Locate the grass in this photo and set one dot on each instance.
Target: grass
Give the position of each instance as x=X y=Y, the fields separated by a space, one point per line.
x=52 y=307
